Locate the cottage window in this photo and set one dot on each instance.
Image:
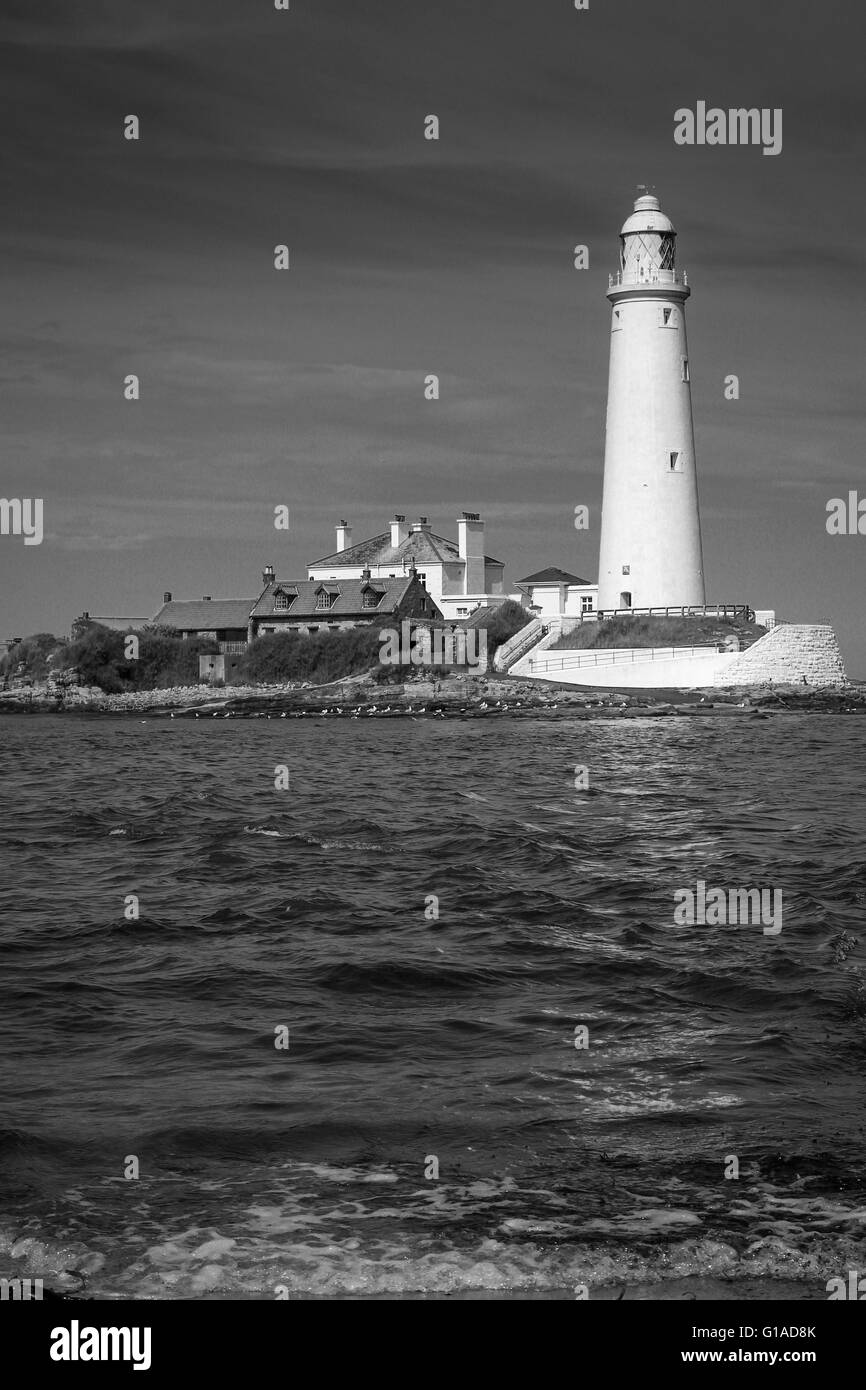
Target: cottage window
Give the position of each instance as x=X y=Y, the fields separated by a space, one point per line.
x=371 y=599
x=283 y=600
x=586 y=603
x=324 y=599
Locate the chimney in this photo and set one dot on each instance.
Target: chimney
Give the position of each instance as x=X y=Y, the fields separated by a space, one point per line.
x=470 y=543
x=268 y=575
x=422 y=524
x=166 y=598
x=399 y=531
x=344 y=536
x=366 y=574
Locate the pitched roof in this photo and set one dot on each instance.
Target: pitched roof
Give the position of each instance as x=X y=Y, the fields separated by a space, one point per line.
x=423 y=546
x=552 y=575
x=348 y=601
x=203 y=615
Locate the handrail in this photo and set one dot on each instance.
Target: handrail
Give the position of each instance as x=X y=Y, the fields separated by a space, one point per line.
x=511 y=651
x=698 y=610
x=656 y=277
x=618 y=656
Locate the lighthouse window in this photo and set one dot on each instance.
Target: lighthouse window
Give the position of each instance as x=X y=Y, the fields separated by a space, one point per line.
x=626 y=569
x=676 y=464
x=686 y=376
x=667 y=318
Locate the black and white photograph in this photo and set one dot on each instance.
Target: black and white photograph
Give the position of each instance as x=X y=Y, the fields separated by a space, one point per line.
x=432 y=669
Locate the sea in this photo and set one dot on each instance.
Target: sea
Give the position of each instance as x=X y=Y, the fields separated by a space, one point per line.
x=400 y=1007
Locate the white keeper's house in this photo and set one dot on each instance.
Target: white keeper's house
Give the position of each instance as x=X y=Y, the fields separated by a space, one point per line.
x=554 y=593
x=458 y=576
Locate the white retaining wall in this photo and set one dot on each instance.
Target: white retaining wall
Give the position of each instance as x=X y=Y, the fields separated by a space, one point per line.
x=684 y=668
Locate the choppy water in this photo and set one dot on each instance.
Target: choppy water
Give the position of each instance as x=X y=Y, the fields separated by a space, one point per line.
x=413 y=1039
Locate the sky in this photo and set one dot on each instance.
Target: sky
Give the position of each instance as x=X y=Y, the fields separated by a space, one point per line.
x=305 y=388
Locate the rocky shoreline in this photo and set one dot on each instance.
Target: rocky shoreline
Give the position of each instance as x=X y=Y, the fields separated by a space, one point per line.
x=480 y=696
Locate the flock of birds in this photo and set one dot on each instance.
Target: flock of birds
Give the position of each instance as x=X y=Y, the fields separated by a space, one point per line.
x=359 y=711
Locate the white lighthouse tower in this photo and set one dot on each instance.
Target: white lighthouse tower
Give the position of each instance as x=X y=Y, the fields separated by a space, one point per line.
x=650 y=554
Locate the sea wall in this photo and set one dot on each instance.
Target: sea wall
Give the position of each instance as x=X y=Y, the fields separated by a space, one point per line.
x=632 y=668
x=792 y=654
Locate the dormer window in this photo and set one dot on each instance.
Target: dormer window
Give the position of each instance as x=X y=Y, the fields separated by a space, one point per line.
x=325 y=598
x=371 y=598
x=283 y=600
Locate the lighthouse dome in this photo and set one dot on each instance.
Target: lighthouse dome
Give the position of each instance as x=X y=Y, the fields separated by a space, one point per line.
x=647 y=217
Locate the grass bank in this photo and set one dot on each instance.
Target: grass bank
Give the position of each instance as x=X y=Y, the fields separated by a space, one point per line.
x=658 y=632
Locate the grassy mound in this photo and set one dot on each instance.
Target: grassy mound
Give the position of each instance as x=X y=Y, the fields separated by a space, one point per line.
x=658 y=632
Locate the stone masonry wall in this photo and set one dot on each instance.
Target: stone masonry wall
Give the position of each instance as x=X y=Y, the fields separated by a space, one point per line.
x=789 y=652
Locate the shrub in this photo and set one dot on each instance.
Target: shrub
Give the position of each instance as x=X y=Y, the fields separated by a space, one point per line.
x=319 y=658
x=35 y=657
x=164 y=659
x=502 y=623
x=98 y=657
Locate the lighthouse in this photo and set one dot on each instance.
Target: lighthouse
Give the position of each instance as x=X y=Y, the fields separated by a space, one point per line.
x=650 y=550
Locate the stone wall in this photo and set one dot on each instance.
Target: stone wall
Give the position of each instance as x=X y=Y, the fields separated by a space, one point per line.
x=788 y=653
